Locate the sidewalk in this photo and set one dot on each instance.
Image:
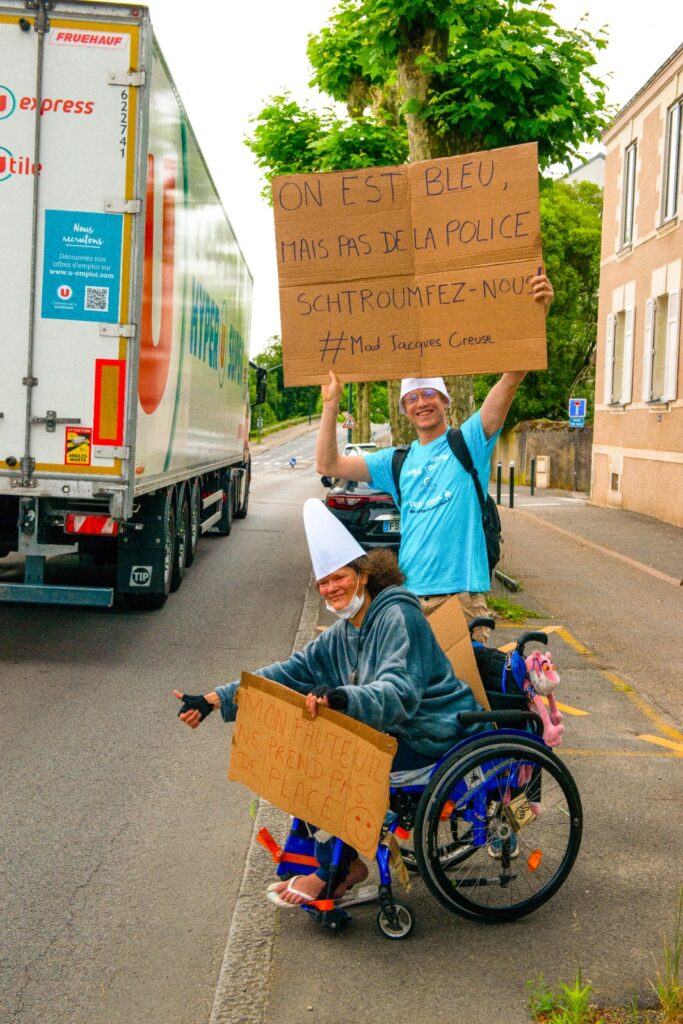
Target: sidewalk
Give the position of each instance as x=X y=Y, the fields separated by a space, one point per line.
x=644 y=540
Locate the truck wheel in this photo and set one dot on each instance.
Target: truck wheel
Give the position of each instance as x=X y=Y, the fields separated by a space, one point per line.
x=241 y=512
x=181 y=545
x=195 y=522
x=224 y=524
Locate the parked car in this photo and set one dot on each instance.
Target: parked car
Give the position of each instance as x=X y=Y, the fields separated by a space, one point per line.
x=368 y=513
x=360 y=449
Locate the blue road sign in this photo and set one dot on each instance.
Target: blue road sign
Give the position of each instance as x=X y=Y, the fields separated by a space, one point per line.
x=577 y=408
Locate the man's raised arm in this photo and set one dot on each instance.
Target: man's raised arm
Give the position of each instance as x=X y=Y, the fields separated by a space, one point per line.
x=497 y=403
x=328 y=461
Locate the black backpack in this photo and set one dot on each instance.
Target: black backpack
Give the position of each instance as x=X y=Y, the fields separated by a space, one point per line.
x=490 y=520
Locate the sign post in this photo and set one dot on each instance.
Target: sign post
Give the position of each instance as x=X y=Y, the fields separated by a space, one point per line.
x=577 y=421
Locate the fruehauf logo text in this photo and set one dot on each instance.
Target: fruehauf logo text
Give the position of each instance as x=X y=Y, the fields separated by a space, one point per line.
x=7 y=102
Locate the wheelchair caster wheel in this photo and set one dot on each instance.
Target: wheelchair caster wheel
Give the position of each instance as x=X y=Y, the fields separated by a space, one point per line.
x=398 y=925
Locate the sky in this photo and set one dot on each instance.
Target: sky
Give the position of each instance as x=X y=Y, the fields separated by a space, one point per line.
x=228 y=58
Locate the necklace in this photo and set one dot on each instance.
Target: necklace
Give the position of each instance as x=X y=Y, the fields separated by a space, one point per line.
x=353 y=675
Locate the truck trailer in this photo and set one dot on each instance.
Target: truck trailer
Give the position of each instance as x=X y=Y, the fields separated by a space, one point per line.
x=126 y=303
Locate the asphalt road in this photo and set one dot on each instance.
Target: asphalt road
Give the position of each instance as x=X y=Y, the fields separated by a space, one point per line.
x=123 y=848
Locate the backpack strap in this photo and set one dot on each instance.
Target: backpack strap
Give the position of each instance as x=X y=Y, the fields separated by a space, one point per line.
x=462 y=454
x=397 y=460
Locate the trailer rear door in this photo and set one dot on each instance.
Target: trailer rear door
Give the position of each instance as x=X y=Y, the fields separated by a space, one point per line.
x=69 y=116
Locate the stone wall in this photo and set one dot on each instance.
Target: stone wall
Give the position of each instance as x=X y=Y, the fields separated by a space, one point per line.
x=569 y=452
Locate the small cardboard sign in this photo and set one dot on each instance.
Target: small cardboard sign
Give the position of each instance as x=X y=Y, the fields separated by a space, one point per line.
x=417 y=270
x=77 y=446
x=331 y=770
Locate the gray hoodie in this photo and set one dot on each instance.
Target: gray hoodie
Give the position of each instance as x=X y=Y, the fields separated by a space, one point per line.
x=395 y=676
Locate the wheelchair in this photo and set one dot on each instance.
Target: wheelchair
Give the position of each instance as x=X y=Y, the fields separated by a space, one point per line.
x=493 y=831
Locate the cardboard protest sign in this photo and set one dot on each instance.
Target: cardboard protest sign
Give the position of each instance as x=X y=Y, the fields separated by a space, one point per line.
x=330 y=770
x=415 y=270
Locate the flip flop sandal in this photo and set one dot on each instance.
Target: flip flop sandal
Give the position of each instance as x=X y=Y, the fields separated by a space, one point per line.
x=277 y=900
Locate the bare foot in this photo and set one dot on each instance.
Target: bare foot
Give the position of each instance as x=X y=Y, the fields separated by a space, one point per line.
x=358 y=872
x=308 y=888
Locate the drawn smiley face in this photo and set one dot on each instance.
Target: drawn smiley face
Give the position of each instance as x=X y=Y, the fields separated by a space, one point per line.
x=361 y=830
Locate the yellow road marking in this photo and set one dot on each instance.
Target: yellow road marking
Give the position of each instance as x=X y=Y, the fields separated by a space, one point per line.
x=643 y=706
x=568 y=709
x=678 y=747
x=620 y=753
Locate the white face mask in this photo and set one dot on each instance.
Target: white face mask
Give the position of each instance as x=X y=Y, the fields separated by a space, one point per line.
x=352 y=608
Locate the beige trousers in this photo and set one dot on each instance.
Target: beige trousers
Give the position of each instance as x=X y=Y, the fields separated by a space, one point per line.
x=473 y=605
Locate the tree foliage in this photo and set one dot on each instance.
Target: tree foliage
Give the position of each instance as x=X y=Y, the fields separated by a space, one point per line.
x=428 y=78
x=570 y=227
x=281 y=403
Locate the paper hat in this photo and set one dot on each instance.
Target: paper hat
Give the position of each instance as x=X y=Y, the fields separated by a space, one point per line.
x=415 y=383
x=330 y=544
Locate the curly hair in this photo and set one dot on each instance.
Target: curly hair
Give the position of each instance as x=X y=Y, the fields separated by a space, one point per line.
x=381 y=565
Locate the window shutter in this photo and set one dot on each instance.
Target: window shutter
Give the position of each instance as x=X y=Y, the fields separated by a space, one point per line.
x=627 y=378
x=671 y=366
x=609 y=356
x=647 y=350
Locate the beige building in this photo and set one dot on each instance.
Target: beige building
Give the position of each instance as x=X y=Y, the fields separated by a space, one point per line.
x=638 y=435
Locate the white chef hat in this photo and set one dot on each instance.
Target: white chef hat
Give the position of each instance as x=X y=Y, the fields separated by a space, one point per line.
x=329 y=542
x=409 y=384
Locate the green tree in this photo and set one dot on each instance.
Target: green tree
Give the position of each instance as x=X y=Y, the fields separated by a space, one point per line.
x=445 y=76
x=571 y=227
x=281 y=403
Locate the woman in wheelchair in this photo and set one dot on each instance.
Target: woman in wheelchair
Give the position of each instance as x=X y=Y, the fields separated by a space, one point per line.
x=491 y=816
x=379 y=663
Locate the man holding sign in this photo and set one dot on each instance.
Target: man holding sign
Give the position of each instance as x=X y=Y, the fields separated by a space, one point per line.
x=443 y=550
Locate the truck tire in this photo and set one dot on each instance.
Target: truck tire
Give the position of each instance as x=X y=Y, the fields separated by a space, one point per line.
x=181 y=543
x=195 y=508
x=241 y=512
x=224 y=524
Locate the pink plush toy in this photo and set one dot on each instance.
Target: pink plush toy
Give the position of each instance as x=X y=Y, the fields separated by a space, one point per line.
x=541 y=681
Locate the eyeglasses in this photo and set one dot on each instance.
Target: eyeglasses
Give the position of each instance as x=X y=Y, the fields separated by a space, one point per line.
x=415 y=396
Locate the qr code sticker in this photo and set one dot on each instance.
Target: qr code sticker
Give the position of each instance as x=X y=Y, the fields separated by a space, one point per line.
x=97 y=298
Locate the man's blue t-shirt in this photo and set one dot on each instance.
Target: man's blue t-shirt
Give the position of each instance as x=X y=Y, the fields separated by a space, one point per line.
x=443 y=550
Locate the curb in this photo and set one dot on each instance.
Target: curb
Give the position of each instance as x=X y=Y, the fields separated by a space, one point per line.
x=242 y=990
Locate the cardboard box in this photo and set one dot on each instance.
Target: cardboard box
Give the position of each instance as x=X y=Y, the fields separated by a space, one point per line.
x=450 y=629
x=414 y=270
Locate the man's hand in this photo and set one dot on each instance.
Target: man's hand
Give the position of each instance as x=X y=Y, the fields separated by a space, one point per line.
x=332 y=392
x=542 y=291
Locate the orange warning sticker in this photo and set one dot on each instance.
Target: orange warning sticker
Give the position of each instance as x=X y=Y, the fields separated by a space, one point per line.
x=78 y=446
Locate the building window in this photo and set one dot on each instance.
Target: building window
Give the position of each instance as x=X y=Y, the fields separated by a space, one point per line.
x=619 y=357
x=660 y=354
x=629 y=194
x=672 y=160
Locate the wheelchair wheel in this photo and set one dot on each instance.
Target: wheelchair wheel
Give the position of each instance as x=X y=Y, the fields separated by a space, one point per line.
x=402 y=924
x=498 y=829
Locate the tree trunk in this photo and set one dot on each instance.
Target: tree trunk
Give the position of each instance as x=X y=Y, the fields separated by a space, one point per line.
x=402 y=431
x=362 y=434
x=462 y=399
x=413 y=83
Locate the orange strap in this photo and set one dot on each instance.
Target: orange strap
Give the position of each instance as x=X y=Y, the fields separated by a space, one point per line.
x=266 y=840
x=298 y=858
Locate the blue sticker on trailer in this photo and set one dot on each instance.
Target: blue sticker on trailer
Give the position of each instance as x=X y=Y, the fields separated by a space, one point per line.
x=82 y=266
